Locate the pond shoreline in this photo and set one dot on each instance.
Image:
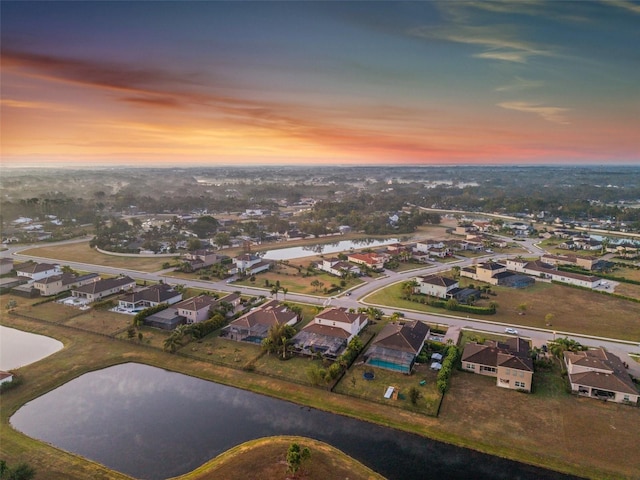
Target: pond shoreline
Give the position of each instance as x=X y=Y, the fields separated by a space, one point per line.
x=101 y=352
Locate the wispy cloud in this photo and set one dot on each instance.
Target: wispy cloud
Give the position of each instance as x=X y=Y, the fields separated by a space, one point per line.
x=629 y=6
x=32 y=105
x=550 y=114
x=519 y=84
x=499 y=42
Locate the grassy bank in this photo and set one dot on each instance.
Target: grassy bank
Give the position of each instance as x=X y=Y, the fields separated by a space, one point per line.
x=467 y=417
x=265 y=458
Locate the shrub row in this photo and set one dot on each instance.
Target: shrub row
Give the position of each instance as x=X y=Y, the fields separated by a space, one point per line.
x=448 y=363
x=140 y=316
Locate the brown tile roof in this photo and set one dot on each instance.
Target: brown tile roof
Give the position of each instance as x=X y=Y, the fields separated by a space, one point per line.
x=513 y=354
x=105 y=284
x=407 y=337
x=438 y=280
x=269 y=314
x=326 y=330
x=339 y=314
x=616 y=380
x=158 y=293
x=196 y=303
x=33 y=267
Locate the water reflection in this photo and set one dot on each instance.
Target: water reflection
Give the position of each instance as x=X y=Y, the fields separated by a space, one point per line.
x=334 y=247
x=150 y=423
x=18 y=348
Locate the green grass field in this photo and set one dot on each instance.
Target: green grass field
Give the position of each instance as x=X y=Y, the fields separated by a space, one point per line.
x=83 y=253
x=573 y=310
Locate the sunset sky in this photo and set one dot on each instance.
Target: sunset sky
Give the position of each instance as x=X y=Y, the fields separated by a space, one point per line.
x=298 y=82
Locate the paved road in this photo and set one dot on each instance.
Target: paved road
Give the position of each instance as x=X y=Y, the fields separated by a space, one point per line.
x=357 y=297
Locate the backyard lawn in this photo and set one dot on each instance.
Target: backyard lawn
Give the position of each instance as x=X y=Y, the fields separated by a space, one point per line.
x=100 y=321
x=353 y=383
x=223 y=351
x=50 y=311
x=549 y=420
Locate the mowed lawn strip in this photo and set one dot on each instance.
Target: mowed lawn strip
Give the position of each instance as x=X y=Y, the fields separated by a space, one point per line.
x=83 y=253
x=574 y=310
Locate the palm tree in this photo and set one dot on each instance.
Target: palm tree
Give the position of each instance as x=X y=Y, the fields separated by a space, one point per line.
x=284 y=293
x=277 y=339
x=172 y=343
x=274 y=291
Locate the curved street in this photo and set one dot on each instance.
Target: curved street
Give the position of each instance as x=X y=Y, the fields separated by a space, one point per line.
x=357 y=297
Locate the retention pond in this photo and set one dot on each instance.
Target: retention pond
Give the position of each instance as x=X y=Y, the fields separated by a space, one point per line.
x=154 y=424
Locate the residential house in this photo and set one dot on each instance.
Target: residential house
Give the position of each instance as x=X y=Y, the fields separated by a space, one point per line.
x=6 y=265
x=150 y=296
x=483 y=227
x=254 y=325
x=488 y=272
x=436 y=286
x=195 y=309
x=586 y=262
x=464 y=229
x=103 y=288
x=509 y=362
x=36 y=271
x=329 y=333
x=520 y=229
x=428 y=245
x=374 y=261
x=600 y=374
x=202 y=258
x=337 y=267
x=61 y=283
x=397 y=346
x=546 y=271
x=250 y=264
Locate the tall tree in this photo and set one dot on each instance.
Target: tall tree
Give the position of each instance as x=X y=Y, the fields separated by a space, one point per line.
x=296 y=456
x=277 y=339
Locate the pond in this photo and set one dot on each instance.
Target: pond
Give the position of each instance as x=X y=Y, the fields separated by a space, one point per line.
x=18 y=348
x=335 y=247
x=153 y=424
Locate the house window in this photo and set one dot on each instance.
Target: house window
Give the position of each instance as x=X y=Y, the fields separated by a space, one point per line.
x=470 y=366
x=626 y=398
x=520 y=384
x=488 y=369
x=507 y=371
x=514 y=373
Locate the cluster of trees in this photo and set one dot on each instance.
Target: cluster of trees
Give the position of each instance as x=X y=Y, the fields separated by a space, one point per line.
x=296 y=456
x=365 y=212
x=278 y=340
x=183 y=333
x=318 y=375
